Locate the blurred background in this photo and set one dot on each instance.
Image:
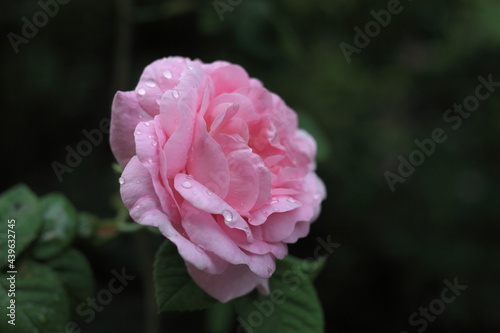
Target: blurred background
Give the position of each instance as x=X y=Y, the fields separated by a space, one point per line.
x=397 y=247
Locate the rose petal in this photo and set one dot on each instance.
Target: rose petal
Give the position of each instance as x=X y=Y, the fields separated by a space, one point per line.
x=233 y=282
x=204 y=231
x=229 y=78
x=278 y=204
x=204 y=199
x=207 y=163
x=126 y=114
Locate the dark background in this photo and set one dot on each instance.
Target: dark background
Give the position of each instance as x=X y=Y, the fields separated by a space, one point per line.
x=397 y=248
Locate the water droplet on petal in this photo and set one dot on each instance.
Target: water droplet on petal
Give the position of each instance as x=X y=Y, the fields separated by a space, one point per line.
x=290 y=200
x=150 y=160
x=138 y=132
x=274 y=200
x=187 y=184
x=137 y=206
x=141 y=92
x=147 y=123
x=121 y=180
x=264 y=212
x=316 y=196
x=150 y=136
x=228 y=216
x=209 y=193
x=150 y=83
x=175 y=93
x=154 y=143
x=167 y=74
x=190 y=67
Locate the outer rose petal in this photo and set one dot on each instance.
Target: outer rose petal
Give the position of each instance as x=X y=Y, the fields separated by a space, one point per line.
x=126 y=114
x=235 y=281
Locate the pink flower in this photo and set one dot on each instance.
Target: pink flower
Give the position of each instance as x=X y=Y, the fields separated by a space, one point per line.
x=217 y=163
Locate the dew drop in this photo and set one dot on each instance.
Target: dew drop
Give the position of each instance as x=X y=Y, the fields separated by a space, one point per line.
x=150 y=160
x=274 y=200
x=290 y=200
x=147 y=123
x=190 y=67
x=187 y=184
x=264 y=212
x=228 y=216
x=209 y=193
x=175 y=93
x=154 y=143
x=150 y=136
x=150 y=83
x=138 y=206
x=138 y=132
x=141 y=92
x=167 y=74
x=121 y=180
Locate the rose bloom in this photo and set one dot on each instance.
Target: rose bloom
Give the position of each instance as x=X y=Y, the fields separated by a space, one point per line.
x=217 y=163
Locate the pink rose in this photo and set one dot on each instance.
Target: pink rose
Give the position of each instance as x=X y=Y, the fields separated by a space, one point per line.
x=217 y=163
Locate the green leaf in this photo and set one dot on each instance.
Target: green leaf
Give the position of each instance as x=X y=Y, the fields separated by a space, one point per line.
x=59 y=220
x=87 y=224
x=293 y=305
x=75 y=273
x=305 y=267
x=21 y=205
x=175 y=289
x=40 y=299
